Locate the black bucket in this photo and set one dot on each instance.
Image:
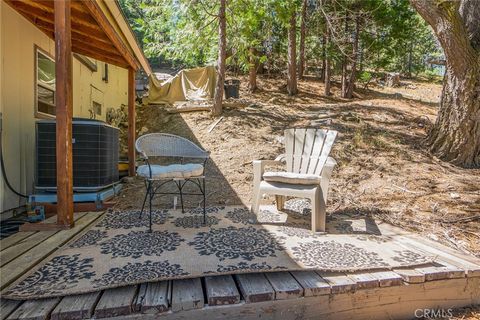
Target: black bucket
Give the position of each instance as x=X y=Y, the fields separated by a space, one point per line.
x=232 y=88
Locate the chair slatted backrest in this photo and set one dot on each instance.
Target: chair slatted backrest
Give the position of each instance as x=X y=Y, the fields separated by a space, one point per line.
x=169 y=145
x=307 y=150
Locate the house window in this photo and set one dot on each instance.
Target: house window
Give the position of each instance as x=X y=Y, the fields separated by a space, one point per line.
x=105 y=72
x=44 y=84
x=97 y=108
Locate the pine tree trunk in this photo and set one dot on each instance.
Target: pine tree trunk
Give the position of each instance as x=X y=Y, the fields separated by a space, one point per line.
x=360 y=62
x=327 y=64
x=351 y=81
x=455 y=136
x=222 y=52
x=344 y=62
x=292 y=56
x=324 y=60
x=252 y=70
x=410 y=53
x=303 y=34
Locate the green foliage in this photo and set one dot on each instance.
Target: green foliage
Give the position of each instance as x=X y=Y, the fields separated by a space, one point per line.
x=185 y=32
x=365 y=77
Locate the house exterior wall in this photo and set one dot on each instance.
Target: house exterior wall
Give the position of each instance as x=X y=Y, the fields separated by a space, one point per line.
x=18 y=40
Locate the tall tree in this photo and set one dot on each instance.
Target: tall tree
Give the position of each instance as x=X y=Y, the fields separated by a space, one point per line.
x=303 y=34
x=327 y=70
x=345 y=58
x=455 y=136
x=222 y=52
x=292 y=54
x=252 y=69
x=353 y=72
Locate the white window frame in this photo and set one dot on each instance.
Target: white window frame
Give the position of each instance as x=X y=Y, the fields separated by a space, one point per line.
x=37 y=113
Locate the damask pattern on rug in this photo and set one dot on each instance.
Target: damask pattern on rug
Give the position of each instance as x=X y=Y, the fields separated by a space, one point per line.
x=137 y=272
x=131 y=219
x=119 y=250
x=331 y=255
x=59 y=274
x=232 y=243
x=141 y=243
x=90 y=238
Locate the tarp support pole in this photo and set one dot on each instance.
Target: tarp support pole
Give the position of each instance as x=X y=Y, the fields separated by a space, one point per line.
x=131 y=122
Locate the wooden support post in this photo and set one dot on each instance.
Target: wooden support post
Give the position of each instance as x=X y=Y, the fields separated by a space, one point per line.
x=64 y=112
x=131 y=122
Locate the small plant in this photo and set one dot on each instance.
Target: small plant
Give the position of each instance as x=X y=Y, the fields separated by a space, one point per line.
x=364 y=78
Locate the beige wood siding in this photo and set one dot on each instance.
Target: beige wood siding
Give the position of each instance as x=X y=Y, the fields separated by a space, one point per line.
x=17 y=97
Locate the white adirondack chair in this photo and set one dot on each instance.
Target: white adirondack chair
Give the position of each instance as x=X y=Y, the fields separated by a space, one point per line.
x=307 y=175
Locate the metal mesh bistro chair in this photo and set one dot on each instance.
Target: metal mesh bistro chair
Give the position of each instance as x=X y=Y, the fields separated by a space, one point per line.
x=174 y=147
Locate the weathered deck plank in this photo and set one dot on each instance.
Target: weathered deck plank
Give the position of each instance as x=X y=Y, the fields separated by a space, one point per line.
x=339 y=282
x=438 y=272
x=34 y=309
x=221 y=290
x=7 y=307
x=364 y=280
x=312 y=283
x=76 y=307
x=395 y=302
x=14 y=239
x=187 y=294
x=285 y=285
x=23 y=235
x=23 y=246
x=255 y=287
x=116 y=302
x=410 y=275
x=387 y=278
x=153 y=297
x=21 y=264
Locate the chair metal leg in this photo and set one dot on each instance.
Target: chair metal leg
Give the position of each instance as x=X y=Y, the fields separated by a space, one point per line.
x=204 y=202
x=144 y=200
x=150 y=204
x=181 y=195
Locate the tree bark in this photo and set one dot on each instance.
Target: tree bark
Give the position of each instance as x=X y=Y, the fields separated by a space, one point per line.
x=352 y=79
x=410 y=53
x=222 y=46
x=292 y=56
x=324 y=60
x=327 y=64
x=252 y=70
x=303 y=34
x=455 y=137
x=345 y=61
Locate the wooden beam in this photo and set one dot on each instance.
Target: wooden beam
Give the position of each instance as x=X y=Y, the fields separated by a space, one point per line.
x=77 y=47
x=64 y=112
x=131 y=122
x=111 y=33
x=46 y=18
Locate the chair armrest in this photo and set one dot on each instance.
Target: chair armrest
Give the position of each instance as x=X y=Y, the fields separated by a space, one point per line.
x=280 y=157
x=328 y=169
x=259 y=165
x=330 y=163
x=144 y=158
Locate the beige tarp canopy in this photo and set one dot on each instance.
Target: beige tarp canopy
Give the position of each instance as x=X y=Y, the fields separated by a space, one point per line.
x=188 y=84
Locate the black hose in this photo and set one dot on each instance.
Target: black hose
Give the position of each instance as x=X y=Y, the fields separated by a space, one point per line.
x=4 y=174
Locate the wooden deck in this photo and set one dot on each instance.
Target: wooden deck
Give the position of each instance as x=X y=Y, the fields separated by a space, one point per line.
x=453 y=281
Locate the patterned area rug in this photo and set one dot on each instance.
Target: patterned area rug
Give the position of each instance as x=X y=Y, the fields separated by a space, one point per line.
x=119 y=251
